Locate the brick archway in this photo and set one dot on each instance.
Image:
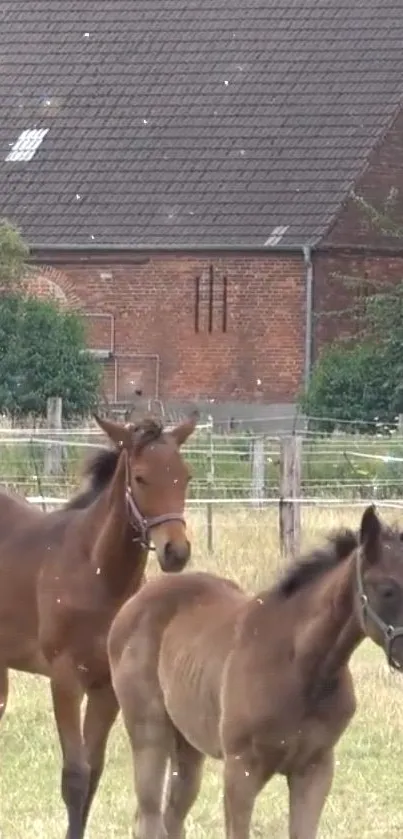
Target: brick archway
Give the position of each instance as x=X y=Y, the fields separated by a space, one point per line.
x=41 y=285
x=47 y=282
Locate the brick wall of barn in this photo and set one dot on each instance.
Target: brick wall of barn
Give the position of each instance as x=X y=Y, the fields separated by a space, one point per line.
x=337 y=273
x=192 y=328
x=359 y=245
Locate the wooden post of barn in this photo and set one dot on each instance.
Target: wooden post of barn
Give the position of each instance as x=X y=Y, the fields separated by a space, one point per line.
x=290 y=489
x=53 y=451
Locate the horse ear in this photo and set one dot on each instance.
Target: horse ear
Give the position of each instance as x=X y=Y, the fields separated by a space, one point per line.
x=121 y=435
x=370 y=532
x=185 y=428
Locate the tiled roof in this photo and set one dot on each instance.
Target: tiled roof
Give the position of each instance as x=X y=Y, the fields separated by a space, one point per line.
x=191 y=122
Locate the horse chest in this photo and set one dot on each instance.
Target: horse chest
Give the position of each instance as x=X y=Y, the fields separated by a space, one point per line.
x=320 y=730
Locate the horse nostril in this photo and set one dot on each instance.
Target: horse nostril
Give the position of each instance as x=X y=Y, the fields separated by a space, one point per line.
x=176 y=556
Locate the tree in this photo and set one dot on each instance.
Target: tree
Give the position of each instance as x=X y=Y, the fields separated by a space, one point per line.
x=42 y=346
x=350 y=384
x=362 y=380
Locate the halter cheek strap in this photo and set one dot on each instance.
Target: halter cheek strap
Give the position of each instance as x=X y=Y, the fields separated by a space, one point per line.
x=390 y=633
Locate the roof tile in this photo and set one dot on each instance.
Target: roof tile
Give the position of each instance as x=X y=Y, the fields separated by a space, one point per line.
x=192 y=122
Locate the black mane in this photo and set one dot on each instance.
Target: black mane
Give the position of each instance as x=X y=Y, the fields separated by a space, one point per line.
x=308 y=569
x=145 y=432
x=99 y=471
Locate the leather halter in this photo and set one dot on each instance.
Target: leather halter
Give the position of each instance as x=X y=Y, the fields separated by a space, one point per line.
x=143 y=524
x=390 y=633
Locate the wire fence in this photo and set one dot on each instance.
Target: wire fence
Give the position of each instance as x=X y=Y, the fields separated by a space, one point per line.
x=226 y=467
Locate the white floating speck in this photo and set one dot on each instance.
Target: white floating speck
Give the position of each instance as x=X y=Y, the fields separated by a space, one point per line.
x=86 y=34
x=246 y=773
x=258 y=382
x=92 y=236
x=58 y=600
x=145 y=121
x=242 y=152
x=98 y=571
x=78 y=197
x=226 y=82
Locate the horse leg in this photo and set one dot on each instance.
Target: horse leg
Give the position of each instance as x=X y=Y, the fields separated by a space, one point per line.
x=243 y=781
x=100 y=714
x=3 y=691
x=308 y=791
x=67 y=697
x=152 y=742
x=186 y=776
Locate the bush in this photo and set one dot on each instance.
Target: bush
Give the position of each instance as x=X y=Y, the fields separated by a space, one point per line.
x=352 y=383
x=42 y=354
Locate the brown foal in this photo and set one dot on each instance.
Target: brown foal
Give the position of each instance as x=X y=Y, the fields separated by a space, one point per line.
x=65 y=574
x=262 y=683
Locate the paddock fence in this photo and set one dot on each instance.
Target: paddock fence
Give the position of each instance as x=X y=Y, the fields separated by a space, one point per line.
x=232 y=470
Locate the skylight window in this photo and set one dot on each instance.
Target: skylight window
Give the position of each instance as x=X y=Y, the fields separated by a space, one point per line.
x=276 y=235
x=26 y=145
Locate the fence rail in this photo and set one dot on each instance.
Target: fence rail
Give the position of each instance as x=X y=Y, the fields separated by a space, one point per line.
x=229 y=469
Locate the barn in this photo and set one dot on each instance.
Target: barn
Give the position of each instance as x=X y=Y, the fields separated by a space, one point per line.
x=198 y=178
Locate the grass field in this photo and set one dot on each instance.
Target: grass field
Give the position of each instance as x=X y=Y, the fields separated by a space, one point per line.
x=367 y=796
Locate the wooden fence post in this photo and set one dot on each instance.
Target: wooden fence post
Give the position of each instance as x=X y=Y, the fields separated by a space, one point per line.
x=257 y=483
x=53 y=452
x=290 y=488
x=210 y=484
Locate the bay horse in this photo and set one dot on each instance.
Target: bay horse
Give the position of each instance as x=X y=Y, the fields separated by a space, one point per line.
x=262 y=683
x=64 y=574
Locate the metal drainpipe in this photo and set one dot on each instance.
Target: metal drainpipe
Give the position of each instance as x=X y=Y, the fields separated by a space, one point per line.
x=307 y=251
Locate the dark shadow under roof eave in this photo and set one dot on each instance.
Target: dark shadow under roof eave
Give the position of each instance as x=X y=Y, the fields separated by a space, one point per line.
x=137 y=251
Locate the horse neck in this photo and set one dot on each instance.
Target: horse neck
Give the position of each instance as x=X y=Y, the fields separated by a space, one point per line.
x=116 y=550
x=329 y=639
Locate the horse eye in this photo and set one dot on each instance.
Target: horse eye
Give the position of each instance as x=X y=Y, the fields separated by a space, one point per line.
x=388 y=591
x=140 y=480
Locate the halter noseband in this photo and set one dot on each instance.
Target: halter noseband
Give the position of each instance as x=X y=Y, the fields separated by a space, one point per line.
x=143 y=525
x=390 y=633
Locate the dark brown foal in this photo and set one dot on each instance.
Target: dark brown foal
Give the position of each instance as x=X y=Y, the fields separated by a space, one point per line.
x=261 y=682
x=65 y=574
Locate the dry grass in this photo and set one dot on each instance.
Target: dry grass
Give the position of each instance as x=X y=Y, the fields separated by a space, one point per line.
x=367 y=796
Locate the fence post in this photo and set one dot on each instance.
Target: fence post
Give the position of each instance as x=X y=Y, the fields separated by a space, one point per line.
x=257 y=484
x=400 y=424
x=210 y=483
x=53 y=452
x=290 y=488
